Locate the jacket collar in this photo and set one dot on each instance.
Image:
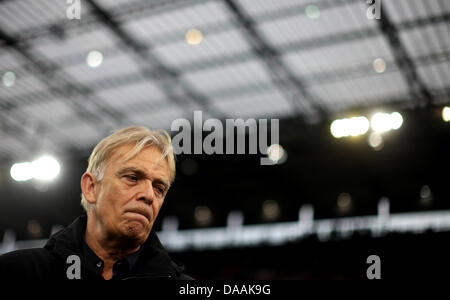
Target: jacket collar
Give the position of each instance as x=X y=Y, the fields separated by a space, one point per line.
x=153 y=262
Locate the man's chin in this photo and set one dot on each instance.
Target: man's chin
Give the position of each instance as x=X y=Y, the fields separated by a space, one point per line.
x=136 y=230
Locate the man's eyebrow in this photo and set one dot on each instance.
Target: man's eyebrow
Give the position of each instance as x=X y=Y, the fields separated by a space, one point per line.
x=132 y=170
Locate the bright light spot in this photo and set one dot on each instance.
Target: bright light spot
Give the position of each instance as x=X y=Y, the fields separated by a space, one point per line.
x=194 y=36
x=446 y=114
x=46 y=168
x=359 y=125
x=94 y=59
x=22 y=171
x=312 y=11
x=396 y=120
x=337 y=128
x=376 y=141
x=379 y=65
x=382 y=122
x=9 y=78
x=277 y=154
x=349 y=127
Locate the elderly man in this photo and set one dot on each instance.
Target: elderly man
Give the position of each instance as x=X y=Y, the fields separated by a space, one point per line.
x=123 y=189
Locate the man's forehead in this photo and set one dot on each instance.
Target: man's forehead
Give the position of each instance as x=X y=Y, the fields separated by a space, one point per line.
x=148 y=158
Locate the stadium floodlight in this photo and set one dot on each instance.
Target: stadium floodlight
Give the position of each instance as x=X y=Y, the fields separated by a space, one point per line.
x=22 y=171
x=383 y=122
x=45 y=168
x=349 y=127
x=446 y=114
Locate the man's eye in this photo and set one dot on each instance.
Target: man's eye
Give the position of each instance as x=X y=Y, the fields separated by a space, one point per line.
x=131 y=177
x=160 y=190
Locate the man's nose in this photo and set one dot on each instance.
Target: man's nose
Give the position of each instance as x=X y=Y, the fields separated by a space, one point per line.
x=147 y=194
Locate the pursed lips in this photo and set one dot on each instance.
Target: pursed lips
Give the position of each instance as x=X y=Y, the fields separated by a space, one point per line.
x=140 y=211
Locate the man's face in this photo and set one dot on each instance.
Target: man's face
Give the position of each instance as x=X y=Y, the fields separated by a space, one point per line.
x=131 y=193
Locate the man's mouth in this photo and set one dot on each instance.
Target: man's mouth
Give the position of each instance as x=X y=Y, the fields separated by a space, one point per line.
x=141 y=212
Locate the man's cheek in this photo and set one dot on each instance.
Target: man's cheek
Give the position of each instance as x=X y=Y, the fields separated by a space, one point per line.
x=160 y=204
x=157 y=209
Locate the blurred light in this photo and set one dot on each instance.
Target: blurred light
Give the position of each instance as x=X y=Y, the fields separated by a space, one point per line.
x=277 y=154
x=270 y=210
x=22 y=171
x=338 y=129
x=446 y=114
x=46 y=168
x=170 y=223
x=360 y=125
x=34 y=228
x=349 y=127
x=425 y=196
x=312 y=11
x=94 y=59
x=235 y=219
x=203 y=215
x=40 y=185
x=344 y=202
x=194 y=36
x=396 y=120
x=9 y=78
x=379 y=65
x=383 y=207
x=376 y=141
x=382 y=122
x=425 y=192
x=306 y=213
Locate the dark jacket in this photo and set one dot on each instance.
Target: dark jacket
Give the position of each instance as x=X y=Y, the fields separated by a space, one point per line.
x=51 y=262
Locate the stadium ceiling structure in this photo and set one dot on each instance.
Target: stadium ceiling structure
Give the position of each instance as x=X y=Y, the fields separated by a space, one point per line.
x=307 y=60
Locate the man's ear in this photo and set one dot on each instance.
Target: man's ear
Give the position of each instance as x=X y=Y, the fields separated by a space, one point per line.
x=88 y=184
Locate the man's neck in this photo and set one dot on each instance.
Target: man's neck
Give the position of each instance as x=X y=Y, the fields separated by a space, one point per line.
x=109 y=250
